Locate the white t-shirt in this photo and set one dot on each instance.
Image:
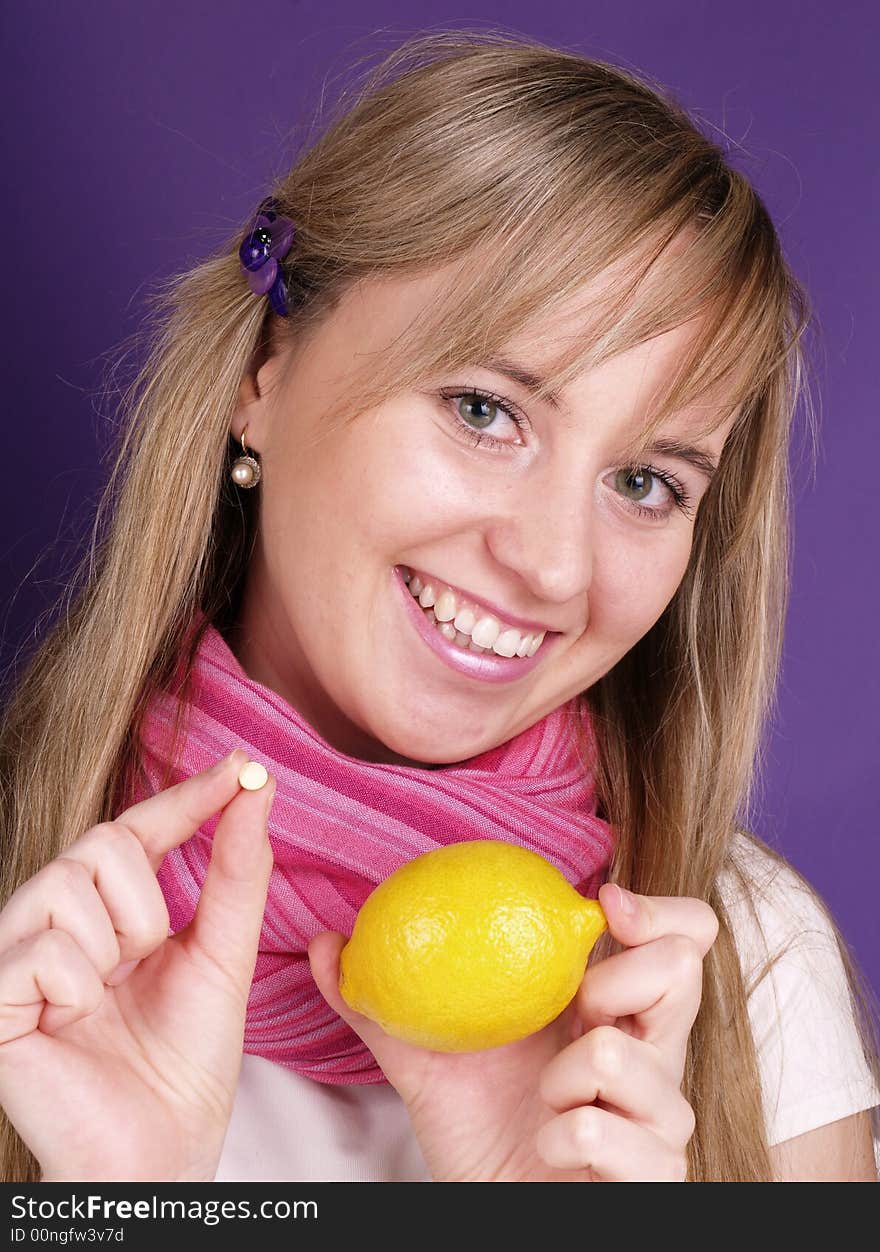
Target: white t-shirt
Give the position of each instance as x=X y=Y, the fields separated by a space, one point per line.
x=288 y=1128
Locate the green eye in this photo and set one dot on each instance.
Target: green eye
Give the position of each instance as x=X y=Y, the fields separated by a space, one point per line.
x=639 y=475
x=486 y=414
x=636 y=482
x=474 y=411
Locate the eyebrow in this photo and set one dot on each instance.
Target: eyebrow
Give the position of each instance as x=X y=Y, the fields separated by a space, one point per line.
x=525 y=377
x=685 y=452
x=533 y=382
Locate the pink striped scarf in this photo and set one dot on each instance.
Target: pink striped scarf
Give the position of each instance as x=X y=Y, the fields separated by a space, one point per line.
x=340 y=825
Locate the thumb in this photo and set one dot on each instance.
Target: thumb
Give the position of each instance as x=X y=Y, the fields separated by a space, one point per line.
x=324 y=950
x=637 y=919
x=403 y=1065
x=229 y=915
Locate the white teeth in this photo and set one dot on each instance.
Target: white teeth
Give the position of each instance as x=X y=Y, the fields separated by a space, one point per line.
x=465 y=620
x=486 y=632
x=464 y=628
x=507 y=643
x=444 y=607
x=524 y=645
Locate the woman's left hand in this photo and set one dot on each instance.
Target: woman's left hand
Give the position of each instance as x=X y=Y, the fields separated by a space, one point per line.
x=595 y=1095
x=616 y=1091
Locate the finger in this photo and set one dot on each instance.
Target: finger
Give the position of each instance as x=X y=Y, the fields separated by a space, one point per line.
x=608 y=1065
x=170 y=817
x=658 y=985
x=46 y=981
x=323 y=952
x=226 y=926
x=102 y=891
x=62 y=895
x=616 y=1150
x=634 y=919
x=121 y=972
x=392 y=1055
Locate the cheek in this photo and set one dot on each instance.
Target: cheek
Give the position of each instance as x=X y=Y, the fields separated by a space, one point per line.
x=634 y=580
x=365 y=489
x=389 y=483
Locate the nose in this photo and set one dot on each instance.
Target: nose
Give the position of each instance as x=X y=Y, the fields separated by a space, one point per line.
x=543 y=532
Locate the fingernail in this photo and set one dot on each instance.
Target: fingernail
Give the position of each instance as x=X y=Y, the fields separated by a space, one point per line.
x=120 y=973
x=269 y=794
x=627 y=902
x=252 y=776
x=222 y=766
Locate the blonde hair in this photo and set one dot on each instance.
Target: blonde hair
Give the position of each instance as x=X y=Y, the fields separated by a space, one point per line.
x=528 y=171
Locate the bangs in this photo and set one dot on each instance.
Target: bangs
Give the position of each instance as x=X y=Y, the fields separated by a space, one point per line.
x=712 y=261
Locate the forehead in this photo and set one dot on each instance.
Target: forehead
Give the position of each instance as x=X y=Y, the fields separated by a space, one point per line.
x=383 y=314
x=392 y=303
x=627 y=380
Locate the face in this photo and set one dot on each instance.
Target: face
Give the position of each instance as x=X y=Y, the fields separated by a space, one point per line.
x=538 y=528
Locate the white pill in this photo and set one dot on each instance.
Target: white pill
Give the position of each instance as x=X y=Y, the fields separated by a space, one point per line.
x=253 y=776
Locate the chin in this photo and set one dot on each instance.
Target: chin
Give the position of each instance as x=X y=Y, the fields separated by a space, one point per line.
x=433 y=748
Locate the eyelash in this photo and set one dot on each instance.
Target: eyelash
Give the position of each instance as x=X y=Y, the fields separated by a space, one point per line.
x=477 y=438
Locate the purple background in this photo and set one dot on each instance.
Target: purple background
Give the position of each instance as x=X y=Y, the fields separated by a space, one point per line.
x=137 y=133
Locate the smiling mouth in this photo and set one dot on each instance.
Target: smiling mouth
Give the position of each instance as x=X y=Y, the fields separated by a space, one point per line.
x=468 y=625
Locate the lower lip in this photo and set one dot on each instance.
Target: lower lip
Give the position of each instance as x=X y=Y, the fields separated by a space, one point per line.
x=487 y=666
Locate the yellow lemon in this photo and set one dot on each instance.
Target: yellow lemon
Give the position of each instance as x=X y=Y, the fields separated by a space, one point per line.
x=468 y=947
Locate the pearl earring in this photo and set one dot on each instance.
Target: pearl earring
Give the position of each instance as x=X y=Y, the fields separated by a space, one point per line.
x=245 y=470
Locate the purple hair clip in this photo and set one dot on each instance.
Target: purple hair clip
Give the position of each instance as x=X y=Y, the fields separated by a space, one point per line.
x=268 y=240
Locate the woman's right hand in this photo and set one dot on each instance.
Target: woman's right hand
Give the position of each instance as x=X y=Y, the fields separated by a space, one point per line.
x=129 y=1074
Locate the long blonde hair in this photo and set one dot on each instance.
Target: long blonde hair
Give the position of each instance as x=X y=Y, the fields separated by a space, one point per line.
x=528 y=170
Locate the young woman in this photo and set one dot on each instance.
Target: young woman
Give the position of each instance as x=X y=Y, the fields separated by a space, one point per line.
x=455 y=491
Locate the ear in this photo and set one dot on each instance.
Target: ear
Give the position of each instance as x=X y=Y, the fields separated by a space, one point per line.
x=254 y=393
